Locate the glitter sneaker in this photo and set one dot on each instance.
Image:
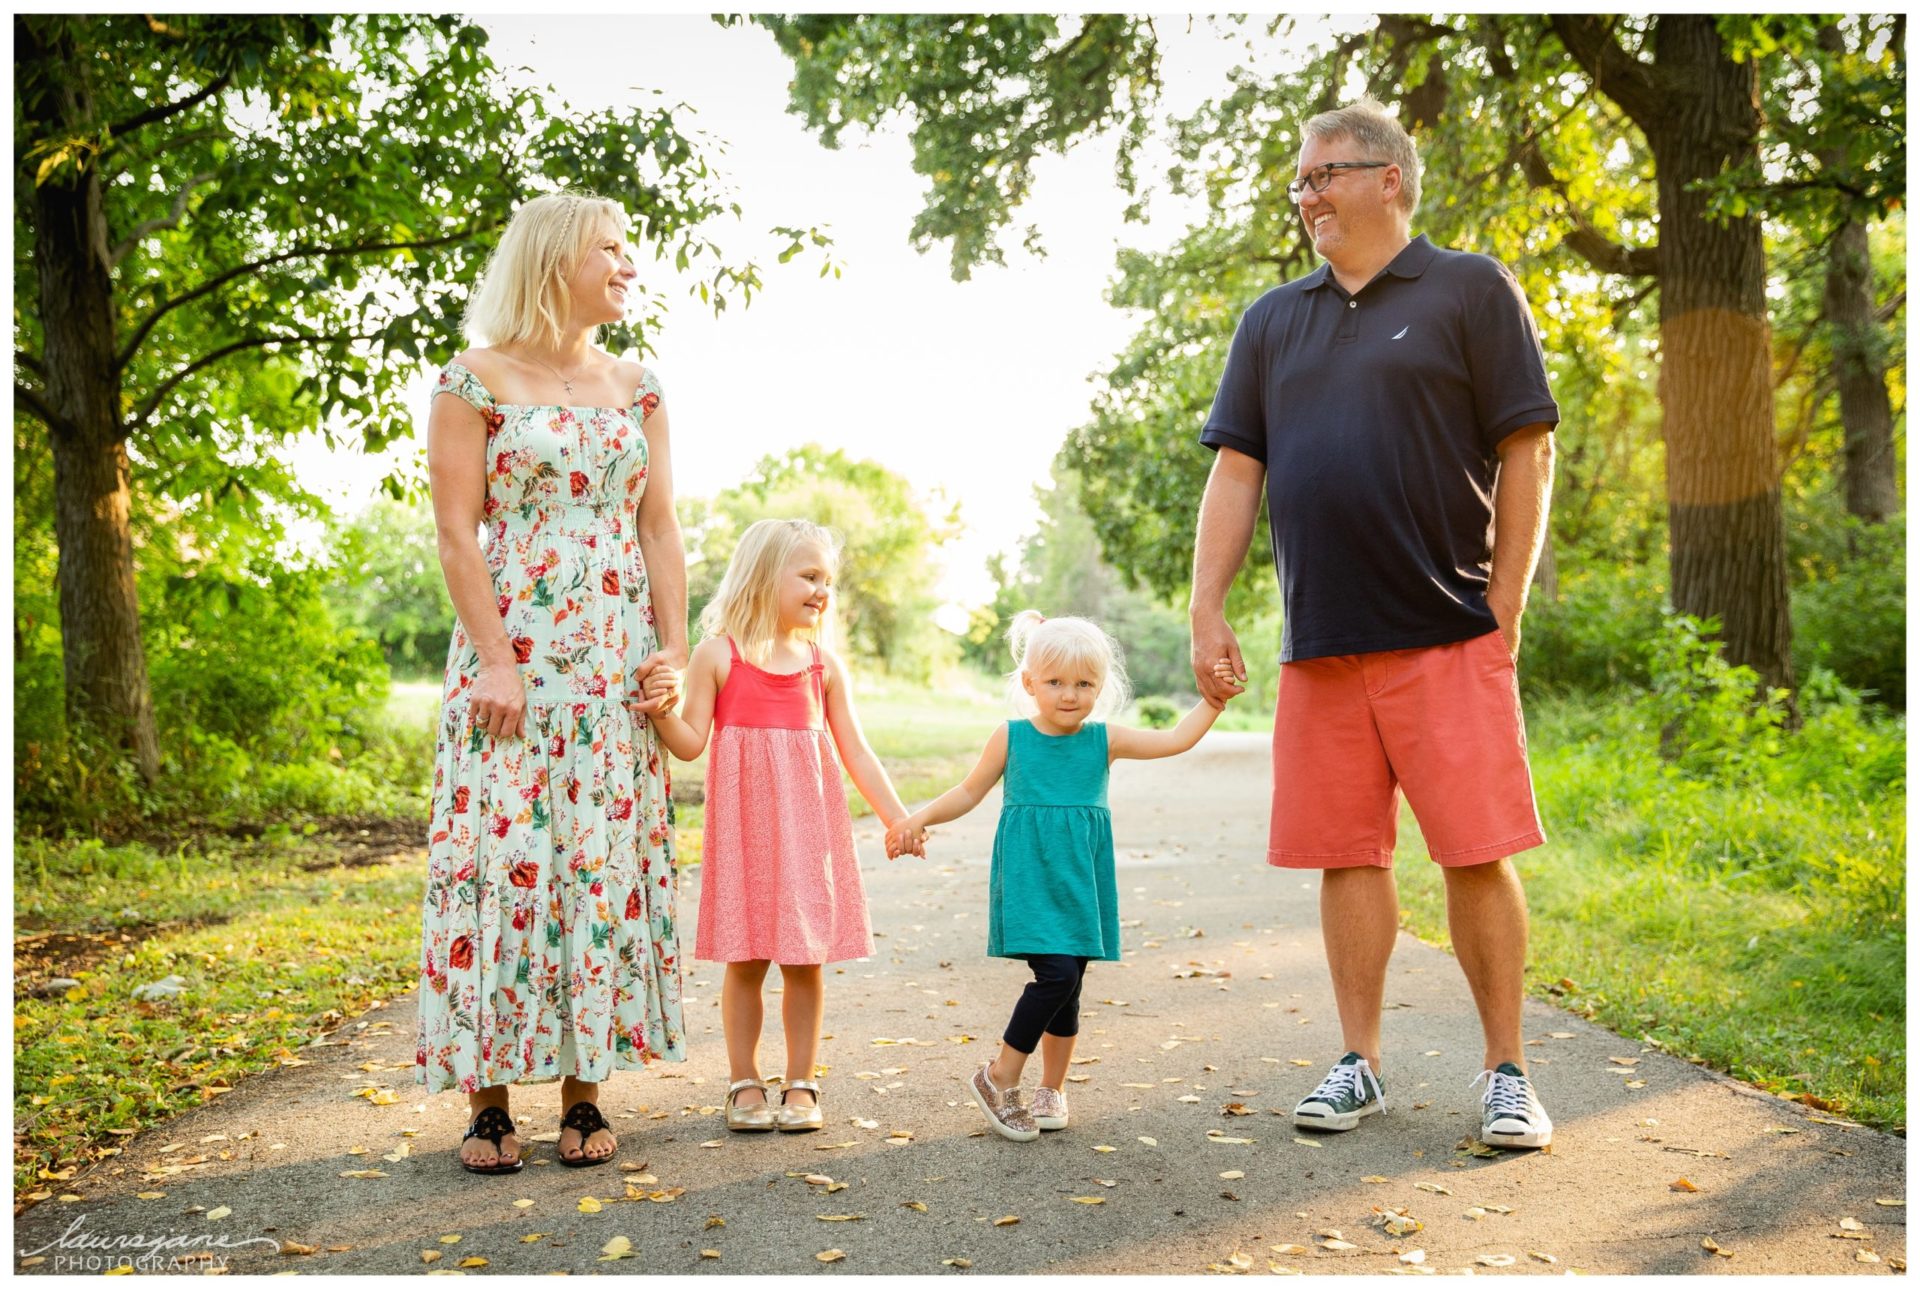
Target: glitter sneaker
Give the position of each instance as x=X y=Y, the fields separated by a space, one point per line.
x=1049 y=1108
x=1005 y=1113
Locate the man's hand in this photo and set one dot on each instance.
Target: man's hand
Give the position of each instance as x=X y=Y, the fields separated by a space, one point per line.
x=1218 y=669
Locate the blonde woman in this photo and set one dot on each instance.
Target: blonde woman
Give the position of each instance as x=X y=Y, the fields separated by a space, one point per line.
x=549 y=947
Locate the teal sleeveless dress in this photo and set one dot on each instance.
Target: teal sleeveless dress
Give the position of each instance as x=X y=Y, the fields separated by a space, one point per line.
x=1052 y=887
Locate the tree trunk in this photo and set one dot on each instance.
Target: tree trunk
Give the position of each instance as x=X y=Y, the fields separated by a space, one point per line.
x=1873 y=492
x=1724 y=516
x=105 y=665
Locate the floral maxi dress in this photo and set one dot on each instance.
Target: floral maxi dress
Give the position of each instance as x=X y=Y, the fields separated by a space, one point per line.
x=549 y=946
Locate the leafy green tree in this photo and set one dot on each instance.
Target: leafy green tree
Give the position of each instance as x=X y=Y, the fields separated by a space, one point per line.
x=1060 y=572
x=230 y=229
x=387 y=584
x=1584 y=144
x=887 y=569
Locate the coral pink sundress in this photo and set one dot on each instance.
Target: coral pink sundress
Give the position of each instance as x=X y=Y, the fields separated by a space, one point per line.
x=778 y=879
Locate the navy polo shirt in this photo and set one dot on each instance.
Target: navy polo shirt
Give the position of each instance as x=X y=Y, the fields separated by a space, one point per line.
x=1377 y=416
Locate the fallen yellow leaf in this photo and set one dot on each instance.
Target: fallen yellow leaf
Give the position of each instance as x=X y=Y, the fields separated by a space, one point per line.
x=532 y=1237
x=841 y=1217
x=151 y=1195
x=915 y=1205
x=712 y=1255
x=1682 y=1184
x=1006 y=1221
x=290 y=1246
x=473 y=1262
x=1376 y=1179
x=829 y=1255
x=615 y=1249
x=449 y=1239
x=1089 y=1199
x=962 y=1263
x=714 y=1223
x=588 y=1204
x=214 y=1215
x=429 y=1255
x=523 y=1203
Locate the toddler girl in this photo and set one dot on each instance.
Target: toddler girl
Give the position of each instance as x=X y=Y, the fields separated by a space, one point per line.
x=779 y=880
x=1051 y=897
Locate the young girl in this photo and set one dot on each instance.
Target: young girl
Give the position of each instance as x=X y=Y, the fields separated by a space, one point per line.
x=1051 y=896
x=779 y=881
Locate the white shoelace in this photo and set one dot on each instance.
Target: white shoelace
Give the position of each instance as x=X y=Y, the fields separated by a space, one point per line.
x=1506 y=1095
x=1346 y=1080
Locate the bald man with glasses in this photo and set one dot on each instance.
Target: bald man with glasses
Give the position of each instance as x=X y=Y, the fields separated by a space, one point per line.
x=1394 y=406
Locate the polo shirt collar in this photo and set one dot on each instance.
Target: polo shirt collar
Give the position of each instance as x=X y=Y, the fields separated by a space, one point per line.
x=1411 y=262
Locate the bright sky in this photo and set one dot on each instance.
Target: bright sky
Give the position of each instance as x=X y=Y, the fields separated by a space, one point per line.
x=966 y=389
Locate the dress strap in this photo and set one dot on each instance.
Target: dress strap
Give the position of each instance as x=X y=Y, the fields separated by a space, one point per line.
x=459 y=380
x=647 y=397
x=733 y=650
x=817 y=676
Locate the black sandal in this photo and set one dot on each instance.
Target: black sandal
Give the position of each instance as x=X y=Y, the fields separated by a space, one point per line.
x=584 y=1117
x=493 y=1123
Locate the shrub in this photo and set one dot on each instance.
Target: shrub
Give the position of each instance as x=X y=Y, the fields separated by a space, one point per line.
x=1850 y=606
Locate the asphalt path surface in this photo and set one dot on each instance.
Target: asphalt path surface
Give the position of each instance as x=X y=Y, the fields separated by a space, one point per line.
x=1221 y=1001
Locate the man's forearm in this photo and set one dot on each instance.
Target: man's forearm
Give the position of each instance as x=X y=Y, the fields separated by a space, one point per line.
x=1519 y=522
x=1229 y=512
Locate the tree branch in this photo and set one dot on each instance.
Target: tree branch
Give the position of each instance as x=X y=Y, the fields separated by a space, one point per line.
x=169 y=220
x=30 y=400
x=164 y=110
x=1614 y=72
x=1884 y=314
x=219 y=280
x=206 y=360
x=1588 y=242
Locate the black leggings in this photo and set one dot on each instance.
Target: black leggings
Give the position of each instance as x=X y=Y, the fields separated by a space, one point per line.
x=1051 y=1004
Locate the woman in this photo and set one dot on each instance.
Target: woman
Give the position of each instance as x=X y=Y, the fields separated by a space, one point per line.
x=549 y=942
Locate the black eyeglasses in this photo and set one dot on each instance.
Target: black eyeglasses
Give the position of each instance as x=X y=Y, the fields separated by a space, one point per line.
x=1320 y=176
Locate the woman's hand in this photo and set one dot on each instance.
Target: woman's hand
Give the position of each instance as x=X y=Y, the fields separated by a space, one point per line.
x=498 y=702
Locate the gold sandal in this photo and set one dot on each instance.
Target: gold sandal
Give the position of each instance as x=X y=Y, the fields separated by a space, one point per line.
x=800 y=1118
x=749 y=1118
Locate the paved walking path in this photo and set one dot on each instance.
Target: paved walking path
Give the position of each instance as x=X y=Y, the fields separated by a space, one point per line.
x=1221 y=1000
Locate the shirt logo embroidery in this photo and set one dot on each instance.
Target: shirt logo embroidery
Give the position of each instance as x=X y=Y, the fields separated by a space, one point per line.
x=1401 y=332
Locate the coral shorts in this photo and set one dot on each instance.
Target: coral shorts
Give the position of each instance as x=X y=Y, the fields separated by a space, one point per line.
x=1442 y=724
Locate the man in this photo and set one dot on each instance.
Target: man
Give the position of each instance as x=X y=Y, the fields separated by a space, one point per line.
x=1379 y=398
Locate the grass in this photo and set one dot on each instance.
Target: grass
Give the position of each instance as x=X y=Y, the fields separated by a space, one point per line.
x=1756 y=925
x=276 y=942
x=1759 y=931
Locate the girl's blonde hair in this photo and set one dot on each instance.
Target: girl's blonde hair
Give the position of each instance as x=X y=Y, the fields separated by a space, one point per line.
x=1039 y=642
x=747 y=605
x=522 y=296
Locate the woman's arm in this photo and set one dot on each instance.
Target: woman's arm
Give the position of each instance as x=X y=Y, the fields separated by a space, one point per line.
x=970 y=791
x=1149 y=745
x=664 y=551
x=457 y=478
x=869 y=776
x=685 y=733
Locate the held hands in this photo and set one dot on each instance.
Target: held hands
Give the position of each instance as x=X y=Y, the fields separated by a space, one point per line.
x=660 y=685
x=906 y=837
x=1228 y=685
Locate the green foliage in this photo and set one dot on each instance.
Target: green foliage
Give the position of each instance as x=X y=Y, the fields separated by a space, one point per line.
x=388 y=585
x=1592 y=637
x=987 y=95
x=1850 y=603
x=1060 y=572
x=885 y=587
x=1716 y=720
x=267 y=707
x=1156 y=713
x=1758 y=924
x=317 y=941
